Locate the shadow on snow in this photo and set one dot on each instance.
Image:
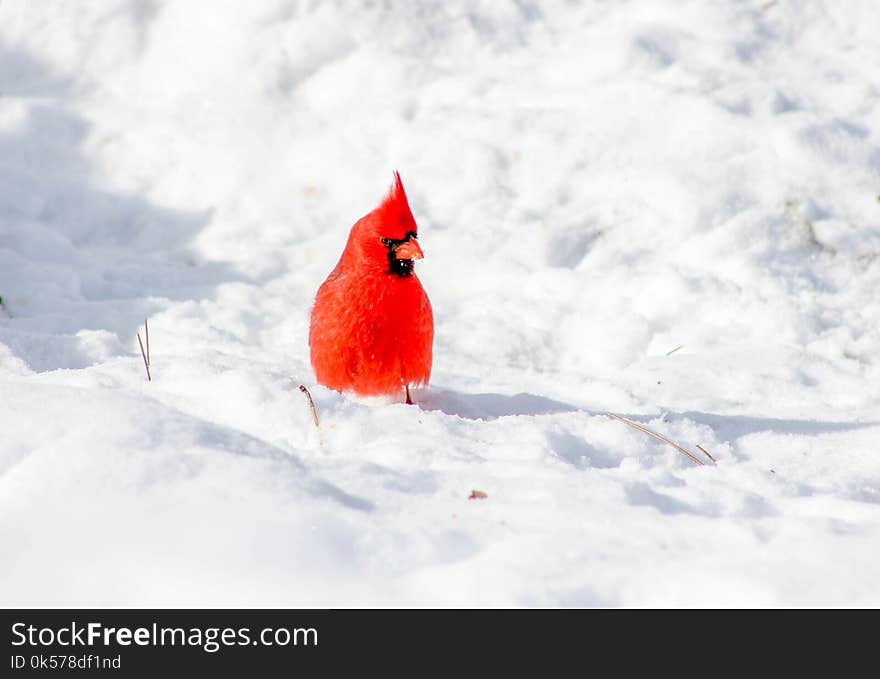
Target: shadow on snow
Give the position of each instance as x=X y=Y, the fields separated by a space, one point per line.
x=73 y=255
x=489 y=406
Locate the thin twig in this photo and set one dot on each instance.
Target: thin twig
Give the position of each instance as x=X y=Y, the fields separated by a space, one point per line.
x=657 y=436
x=146 y=362
x=707 y=454
x=304 y=390
x=147 y=333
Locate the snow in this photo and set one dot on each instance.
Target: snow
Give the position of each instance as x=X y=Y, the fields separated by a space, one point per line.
x=666 y=210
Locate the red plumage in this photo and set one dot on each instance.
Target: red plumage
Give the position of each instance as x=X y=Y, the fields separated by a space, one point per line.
x=372 y=327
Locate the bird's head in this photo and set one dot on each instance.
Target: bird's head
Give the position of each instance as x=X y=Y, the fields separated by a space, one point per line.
x=388 y=236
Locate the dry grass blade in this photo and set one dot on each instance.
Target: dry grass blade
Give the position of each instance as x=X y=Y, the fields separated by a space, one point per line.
x=707 y=454
x=146 y=362
x=657 y=436
x=304 y=390
x=147 y=333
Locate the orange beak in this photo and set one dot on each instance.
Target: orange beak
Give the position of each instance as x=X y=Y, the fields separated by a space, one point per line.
x=409 y=250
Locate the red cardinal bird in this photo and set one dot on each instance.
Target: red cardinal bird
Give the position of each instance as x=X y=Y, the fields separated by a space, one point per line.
x=372 y=328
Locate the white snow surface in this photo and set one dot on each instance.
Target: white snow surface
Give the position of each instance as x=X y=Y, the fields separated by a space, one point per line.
x=662 y=209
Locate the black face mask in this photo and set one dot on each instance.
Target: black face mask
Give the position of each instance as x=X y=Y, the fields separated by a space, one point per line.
x=399 y=267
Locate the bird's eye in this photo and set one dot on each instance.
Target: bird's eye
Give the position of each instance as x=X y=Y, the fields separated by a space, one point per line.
x=387 y=242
